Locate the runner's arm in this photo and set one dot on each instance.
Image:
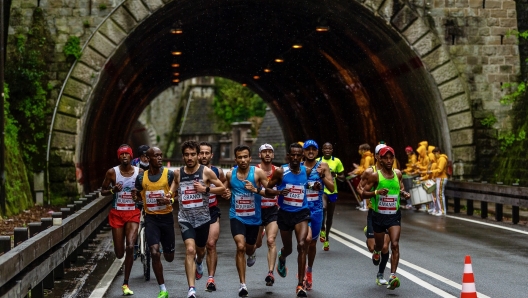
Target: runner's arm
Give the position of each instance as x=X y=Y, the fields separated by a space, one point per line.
x=275 y=180
x=221 y=175
x=227 y=193
x=261 y=181
x=326 y=175
x=213 y=180
x=369 y=181
x=110 y=178
x=405 y=194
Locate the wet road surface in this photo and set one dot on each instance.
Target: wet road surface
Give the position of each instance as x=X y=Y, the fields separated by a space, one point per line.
x=432 y=253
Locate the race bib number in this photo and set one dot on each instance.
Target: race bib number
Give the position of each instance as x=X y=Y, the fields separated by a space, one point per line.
x=269 y=202
x=296 y=195
x=387 y=204
x=190 y=198
x=124 y=201
x=152 y=200
x=245 y=205
x=212 y=196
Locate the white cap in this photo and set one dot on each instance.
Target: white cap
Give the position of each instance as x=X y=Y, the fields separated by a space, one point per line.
x=378 y=148
x=265 y=147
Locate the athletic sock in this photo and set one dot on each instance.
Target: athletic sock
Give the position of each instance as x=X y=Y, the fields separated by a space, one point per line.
x=162 y=287
x=308 y=269
x=271 y=271
x=242 y=285
x=383 y=263
x=210 y=276
x=125 y=282
x=192 y=288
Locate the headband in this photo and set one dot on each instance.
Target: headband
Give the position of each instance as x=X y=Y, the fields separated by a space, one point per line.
x=125 y=149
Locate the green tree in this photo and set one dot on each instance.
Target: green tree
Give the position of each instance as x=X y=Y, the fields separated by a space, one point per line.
x=234 y=102
x=26 y=69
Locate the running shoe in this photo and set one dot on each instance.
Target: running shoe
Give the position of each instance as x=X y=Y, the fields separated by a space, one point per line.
x=439 y=213
x=191 y=293
x=127 y=291
x=380 y=280
x=243 y=292
x=394 y=282
x=270 y=279
x=326 y=246
x=376 y=258
x=322 y=236
x=281 y=267
x=163 y=294
x=301 y=292
x=308 y=281
x=199 y=270
x=210 y=286
x=251 y=260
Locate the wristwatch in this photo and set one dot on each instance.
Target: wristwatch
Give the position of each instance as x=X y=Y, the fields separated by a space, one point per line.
x=207 y=189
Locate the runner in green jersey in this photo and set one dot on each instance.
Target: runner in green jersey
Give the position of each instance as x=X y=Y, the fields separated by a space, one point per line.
x=385 y=187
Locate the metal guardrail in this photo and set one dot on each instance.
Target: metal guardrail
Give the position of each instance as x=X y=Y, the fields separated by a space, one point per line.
x=500 y=195
x=24 y=268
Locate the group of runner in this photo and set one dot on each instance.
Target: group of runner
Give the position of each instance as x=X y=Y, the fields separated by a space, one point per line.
x=296 y=197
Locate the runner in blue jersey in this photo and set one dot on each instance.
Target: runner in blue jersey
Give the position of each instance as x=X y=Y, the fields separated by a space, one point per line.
x=294 y=214
x=244 y=186
x=318 y=172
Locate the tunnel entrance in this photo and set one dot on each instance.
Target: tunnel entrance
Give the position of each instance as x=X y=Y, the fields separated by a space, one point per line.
x=348 y=73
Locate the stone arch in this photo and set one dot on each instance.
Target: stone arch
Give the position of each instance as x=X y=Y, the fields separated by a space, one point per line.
x=77 y=98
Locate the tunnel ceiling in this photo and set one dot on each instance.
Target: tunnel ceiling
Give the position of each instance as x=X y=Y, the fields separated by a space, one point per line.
x=359 y=82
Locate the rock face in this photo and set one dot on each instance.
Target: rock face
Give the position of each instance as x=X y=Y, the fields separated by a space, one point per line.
x=463 y=44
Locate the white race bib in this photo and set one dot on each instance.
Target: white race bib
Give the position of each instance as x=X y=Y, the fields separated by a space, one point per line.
x=387 y=204
x=189 y=196
x=245 y=205
x=269 y=202
x=296 y=195
x=124 y=201
x=151 y=198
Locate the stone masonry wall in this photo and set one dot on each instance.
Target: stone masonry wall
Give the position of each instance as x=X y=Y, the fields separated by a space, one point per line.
x=476 y=34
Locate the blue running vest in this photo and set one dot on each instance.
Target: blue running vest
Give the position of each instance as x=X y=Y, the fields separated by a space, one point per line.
x=296 y=183
x=245 y=205
x=314 y=197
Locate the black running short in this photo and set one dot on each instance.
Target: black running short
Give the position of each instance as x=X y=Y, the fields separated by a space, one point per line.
x=215 y=214
x=199 y=234
x=370 y=230
x=382 y=222
x=249 y=231
x=287 y=220
x=269 y=215
x=160 y=228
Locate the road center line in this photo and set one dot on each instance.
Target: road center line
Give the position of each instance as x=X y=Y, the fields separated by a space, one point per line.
x=487 y=224
x=410 y=276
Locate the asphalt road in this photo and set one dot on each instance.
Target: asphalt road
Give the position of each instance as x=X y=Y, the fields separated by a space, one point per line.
x=432 y=253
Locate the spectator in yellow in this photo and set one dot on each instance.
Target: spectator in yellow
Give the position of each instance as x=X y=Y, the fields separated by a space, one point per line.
x=367 y=160
x=411 y=160
x=426 y=175
x=423 y=160
x=440 y=176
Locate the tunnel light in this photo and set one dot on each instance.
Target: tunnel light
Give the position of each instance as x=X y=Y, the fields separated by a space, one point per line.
x=322 y=28
x=176 y=31
x=297 y=45
x=176 y=80
x=267 y=70
x=175 y=65
x=279 y=60
x=176 y=53
x=245 y=85
x=256 y=77
x=176 y=74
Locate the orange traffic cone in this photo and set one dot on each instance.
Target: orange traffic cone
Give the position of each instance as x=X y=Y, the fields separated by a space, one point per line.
x=468 y=281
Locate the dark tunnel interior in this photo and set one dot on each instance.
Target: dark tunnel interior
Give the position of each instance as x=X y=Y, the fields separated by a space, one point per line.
x=359 y=82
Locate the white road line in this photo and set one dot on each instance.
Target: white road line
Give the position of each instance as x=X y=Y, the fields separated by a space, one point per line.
x=107 y=279
x=487 y=224
x=410 y=276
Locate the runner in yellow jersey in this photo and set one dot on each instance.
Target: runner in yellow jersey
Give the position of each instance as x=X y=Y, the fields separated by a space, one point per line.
x=330 y=197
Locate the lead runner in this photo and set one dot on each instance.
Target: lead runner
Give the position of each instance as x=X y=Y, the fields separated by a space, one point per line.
x=384 y=188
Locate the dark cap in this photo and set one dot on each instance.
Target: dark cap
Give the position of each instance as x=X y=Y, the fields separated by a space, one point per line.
x=143 y=149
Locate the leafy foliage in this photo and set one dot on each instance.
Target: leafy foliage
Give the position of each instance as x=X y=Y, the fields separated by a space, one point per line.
x=18 y=192
x=72 y=48
x=507 y=139
x=26 y=70
x=488 y=121
x=518 y=91
x=234 y=102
